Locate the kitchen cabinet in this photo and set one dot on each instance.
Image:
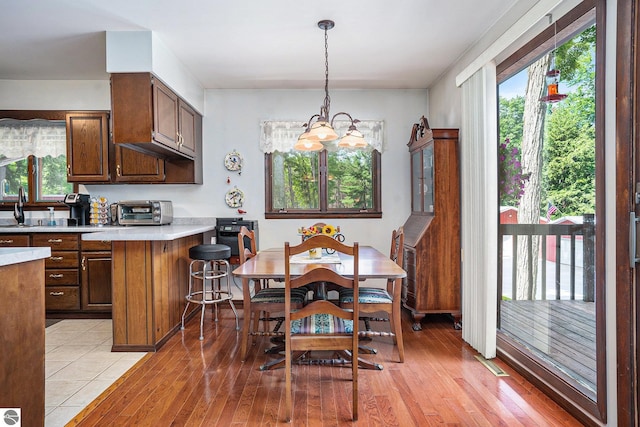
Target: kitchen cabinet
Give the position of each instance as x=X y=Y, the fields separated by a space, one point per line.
x=134 y=167
x=87 y=147
x=22 y=371
x=95 y=267
x=14 y=240
x=81 y=288
x=149 y=117
x=62 y=285
x=150 y=280
x=432 y=232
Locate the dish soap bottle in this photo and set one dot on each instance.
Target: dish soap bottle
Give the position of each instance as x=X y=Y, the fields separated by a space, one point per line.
x=52 y=218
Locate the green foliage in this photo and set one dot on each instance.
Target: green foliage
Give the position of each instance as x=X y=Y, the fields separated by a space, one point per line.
x=350 y=180
x=568 y=171
x=296 y=180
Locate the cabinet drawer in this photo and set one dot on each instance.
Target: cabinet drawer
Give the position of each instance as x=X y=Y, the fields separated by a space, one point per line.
x=7 y=240
x=62 y=259
x=62 y=298
x=96 y=245
x=53 y=277
x=58 y=241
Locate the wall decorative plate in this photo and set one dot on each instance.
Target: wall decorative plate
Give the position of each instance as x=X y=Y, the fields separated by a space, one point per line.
x=234 y=198
x=233 y=161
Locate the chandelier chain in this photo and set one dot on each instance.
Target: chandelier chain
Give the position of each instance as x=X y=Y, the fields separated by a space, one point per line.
x=327 y=99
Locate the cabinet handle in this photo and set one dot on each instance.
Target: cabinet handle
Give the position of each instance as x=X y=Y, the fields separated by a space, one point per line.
x=54 y=240
x=69 y=170
x=6 y=241
x=84 y=263
x=56 y=258
x=56 y=294
x=56 y=276
x=118 y=170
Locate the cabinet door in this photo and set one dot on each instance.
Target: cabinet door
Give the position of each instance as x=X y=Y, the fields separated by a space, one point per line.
x=134 y=166
x=187 y=125
x=165 y=115
x=96 y=281
x=87 y=147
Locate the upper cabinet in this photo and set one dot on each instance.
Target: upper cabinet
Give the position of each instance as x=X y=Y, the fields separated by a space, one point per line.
x=87 y=147
x=149 y=117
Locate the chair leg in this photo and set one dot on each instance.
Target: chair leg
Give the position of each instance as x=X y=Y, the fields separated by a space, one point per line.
x=186 y=307
x=396 y=328
x=202 y=323
x=287 y=380
x=235 y=312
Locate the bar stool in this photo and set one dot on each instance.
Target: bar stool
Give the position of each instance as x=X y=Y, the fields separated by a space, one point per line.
x=210 y=265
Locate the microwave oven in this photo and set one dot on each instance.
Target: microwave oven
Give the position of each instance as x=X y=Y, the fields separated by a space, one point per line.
x=145 y=212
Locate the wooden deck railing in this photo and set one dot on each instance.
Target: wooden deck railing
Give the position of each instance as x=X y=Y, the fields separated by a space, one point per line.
x=586 y=230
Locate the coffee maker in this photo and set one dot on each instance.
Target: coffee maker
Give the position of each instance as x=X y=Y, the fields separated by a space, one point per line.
x=78 y=208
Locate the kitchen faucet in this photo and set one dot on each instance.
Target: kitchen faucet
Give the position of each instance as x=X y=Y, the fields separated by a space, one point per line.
x=18 y=208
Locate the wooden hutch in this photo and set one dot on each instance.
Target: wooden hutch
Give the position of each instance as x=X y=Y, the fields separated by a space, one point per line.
x=432 y=232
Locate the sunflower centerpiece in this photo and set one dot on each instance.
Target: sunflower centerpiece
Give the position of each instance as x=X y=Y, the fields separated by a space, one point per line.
x=317 y=229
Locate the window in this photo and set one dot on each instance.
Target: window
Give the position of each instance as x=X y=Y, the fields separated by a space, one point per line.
x=551 y=277
x=33 y=155
x=322 y=184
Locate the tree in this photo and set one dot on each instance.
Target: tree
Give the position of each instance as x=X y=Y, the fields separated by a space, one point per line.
x=529 y=210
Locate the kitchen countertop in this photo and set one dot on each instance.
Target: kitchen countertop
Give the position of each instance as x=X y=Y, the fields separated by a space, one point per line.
x=119 y=232
x=150 y=232
x=9 y=256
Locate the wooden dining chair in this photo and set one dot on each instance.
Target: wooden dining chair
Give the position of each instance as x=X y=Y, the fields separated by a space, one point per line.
x=320 y=325
x=264 y=301
x=376 y=300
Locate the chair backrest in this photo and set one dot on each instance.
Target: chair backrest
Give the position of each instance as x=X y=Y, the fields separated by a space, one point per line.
x=321 y=274
x=246 y=251
x=322 y=334
x=397 y=244
x=397 y=255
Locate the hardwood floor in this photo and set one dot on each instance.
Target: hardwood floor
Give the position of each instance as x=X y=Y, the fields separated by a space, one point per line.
x=193 y=383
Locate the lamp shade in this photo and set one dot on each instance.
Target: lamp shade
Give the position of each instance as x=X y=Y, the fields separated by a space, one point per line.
x=322 y=131
x=352 y=139
x=305 y=144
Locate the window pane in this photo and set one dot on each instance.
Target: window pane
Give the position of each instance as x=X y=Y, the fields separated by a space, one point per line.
x=12 y=176
x=350 y=180
x=295 y=180
x=547 y=187
x=52 y=179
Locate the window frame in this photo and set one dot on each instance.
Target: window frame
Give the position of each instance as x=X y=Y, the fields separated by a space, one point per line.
x=323 y=211
x=32 y=203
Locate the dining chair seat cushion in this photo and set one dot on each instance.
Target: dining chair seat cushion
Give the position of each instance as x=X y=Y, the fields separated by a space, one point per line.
x=366 y=296
x=321 y=324
x=276 y=295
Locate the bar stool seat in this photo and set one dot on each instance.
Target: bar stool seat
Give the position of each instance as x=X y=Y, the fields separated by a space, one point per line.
x=208 y=270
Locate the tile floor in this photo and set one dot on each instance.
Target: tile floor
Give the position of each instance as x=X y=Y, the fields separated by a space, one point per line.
x=79 y=366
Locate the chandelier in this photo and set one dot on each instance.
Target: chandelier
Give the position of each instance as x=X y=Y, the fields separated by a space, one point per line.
x=321 y=130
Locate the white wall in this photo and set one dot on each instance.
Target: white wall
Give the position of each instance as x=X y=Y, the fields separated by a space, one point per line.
x=232 y=121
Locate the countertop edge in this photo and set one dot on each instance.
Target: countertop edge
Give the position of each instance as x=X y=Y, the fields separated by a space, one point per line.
x=17 y=255
x=150 y=233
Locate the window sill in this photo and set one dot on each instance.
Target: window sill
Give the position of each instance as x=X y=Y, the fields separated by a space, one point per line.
x=313 y=215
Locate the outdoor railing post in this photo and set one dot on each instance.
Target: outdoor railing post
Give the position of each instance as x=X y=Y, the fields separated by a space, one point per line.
x=588 y=257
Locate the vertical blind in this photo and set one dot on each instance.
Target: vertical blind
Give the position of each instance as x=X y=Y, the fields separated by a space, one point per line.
x=479 y=193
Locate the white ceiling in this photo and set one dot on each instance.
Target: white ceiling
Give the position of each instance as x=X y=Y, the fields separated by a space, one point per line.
x=251 y=43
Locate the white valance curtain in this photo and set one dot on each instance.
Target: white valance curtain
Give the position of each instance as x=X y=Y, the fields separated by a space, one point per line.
x=23 y=138
x=479 y=196
x=282 y=135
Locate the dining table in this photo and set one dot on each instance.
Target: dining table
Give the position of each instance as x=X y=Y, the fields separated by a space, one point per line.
x=269 y=264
